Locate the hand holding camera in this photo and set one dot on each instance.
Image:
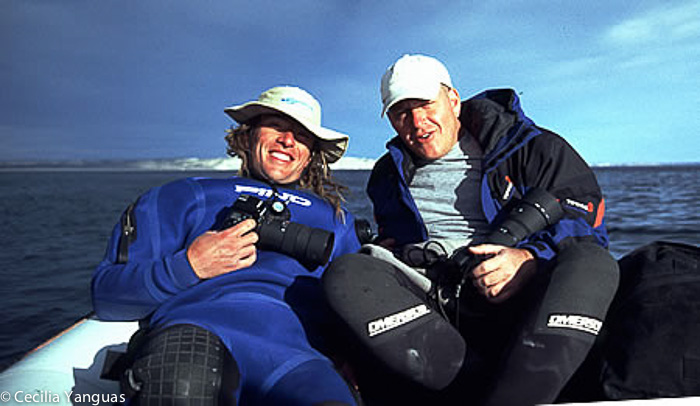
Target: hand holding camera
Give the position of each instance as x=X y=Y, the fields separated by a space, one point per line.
x=494 y=266
x=504 y=271
x=311 y=246
x=218 y=252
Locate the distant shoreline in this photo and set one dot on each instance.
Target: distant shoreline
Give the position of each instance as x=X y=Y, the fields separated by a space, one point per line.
x=164 y=165
x=228 y=164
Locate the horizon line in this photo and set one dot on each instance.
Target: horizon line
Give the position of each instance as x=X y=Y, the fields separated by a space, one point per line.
x=229 y=163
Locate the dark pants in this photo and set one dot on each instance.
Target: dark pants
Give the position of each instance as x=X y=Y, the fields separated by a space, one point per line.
x=521 y=352
x=528 y=348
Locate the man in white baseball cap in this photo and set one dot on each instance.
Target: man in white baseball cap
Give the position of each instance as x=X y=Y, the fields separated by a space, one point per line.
x=449 y=179
x=399 y=81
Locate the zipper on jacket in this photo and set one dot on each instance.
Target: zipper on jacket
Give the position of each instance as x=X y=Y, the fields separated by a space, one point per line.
x=128 y=236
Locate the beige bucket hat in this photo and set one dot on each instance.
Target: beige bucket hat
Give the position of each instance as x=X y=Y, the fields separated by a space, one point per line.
x=301 y=107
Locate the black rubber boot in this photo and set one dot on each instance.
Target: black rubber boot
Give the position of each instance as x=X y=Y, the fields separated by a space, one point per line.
x=536 y=371
x=394 y=321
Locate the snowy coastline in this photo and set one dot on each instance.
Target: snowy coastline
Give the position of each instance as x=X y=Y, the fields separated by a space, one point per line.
x=169 y=164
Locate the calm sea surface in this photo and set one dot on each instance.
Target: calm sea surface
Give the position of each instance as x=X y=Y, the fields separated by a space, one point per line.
x=54 y=228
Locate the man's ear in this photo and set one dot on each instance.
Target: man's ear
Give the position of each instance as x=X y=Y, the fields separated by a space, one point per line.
x=455 y=101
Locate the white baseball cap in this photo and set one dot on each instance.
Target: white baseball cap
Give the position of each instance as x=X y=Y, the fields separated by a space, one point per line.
x=301 y=107
x=413 y=77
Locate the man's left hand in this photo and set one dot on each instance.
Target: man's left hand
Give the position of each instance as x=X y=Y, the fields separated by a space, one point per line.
x=504 y=273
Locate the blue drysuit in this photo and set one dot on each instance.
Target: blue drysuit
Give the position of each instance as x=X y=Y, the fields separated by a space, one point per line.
x=267 y=315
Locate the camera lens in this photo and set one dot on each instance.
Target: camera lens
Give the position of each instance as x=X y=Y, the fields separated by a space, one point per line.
x=309 y=245
x=313 y=244
x=535 y=211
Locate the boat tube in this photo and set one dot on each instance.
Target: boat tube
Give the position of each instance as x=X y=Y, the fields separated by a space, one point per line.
x=68 y=368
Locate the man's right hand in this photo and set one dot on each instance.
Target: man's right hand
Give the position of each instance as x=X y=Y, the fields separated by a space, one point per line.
x=504 y=273
x=218 y=252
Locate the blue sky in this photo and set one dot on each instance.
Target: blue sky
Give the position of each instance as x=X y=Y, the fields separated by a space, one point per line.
x=114 y=79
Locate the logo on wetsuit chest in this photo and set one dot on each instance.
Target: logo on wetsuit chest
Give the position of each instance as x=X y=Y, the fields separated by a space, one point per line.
x=267 y=193
x=575 y=322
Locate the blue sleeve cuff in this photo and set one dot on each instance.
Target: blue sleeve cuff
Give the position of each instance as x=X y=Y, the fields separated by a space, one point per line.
x=540 y=250
x=182 y=273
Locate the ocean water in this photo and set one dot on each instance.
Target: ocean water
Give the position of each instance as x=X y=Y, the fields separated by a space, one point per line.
x=55 y=226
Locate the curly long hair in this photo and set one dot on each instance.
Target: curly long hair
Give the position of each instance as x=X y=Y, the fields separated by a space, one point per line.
x=315 y=178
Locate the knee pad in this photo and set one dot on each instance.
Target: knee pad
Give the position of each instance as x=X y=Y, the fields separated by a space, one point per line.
x=183 y=364
x=393 y=321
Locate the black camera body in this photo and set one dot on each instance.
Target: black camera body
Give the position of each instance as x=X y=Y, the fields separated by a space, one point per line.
x=309 y=245
x=537 y=210
x=250 y=207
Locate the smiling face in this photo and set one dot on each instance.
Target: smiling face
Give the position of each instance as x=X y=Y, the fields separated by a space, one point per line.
x=429 y=128
x=281 y=149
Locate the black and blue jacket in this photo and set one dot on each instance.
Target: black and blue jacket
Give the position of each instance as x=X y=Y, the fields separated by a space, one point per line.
x=518 y=155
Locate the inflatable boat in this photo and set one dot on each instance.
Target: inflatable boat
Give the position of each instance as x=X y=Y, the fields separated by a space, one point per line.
x=69 y=369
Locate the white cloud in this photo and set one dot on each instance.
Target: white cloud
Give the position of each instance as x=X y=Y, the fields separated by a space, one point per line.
x=659 y=45
x=660 y=25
